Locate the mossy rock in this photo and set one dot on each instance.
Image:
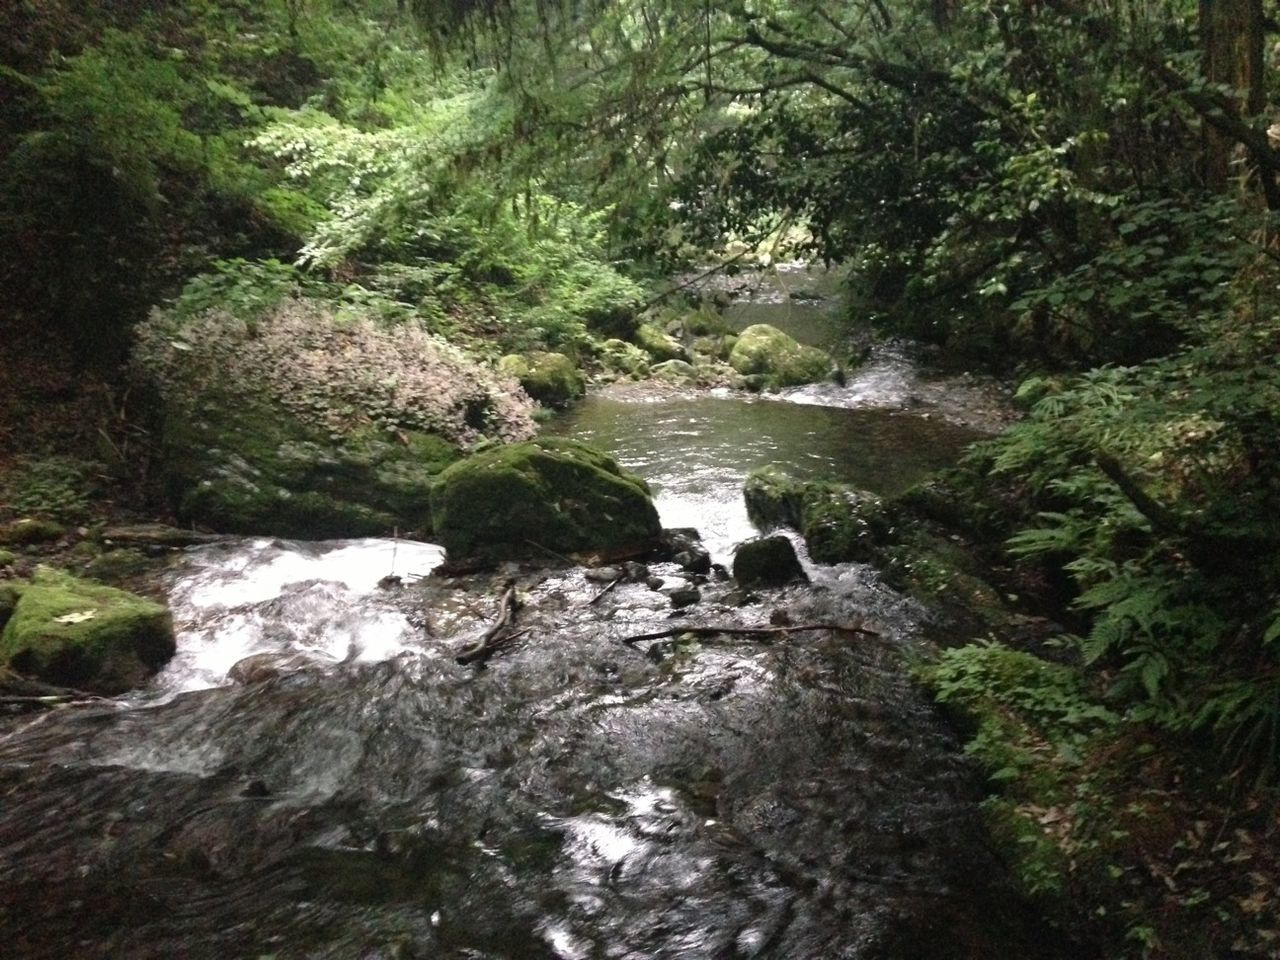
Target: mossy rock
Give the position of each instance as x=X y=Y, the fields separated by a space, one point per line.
x=719 y=347
x=658 y=344
x=116 y=566
x=764 y=350
x=78 y=634
x=774 y=499
x=706 y=321
x=9 y=594
x=625 y=358
x=767 y=562
x=839 y=523
x=526 y=499
x=550 y=378
x=244 y=469
x=7 y=557
x=28 y=532
x=677 y=371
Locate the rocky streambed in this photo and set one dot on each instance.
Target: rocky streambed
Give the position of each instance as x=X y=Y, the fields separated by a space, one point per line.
x=362 y=794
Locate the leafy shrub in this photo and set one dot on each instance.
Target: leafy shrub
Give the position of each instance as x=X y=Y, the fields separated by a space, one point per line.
x=50 y=488
x=1157 y=492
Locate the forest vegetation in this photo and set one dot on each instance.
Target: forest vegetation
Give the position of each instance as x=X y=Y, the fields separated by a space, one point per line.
x=1078 y=195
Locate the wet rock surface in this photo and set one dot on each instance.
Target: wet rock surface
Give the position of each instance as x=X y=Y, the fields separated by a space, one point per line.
x=788 y=796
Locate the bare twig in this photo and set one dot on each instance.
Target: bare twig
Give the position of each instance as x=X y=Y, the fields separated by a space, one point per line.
x=612 y=583
x=497 y=635
x=761 y=632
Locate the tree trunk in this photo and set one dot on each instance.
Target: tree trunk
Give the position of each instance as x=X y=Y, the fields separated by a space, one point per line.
x=1231 y=38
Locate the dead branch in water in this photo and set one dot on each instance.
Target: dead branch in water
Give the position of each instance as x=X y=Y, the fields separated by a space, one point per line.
x=498 y=635
x=760 y=632
x=612 y=583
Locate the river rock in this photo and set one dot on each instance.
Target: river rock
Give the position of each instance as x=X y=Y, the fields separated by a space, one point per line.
x=676 y=370
x=624 y=358
x=767 y=562
x=31 y=531
x=542 y=498
x=774 y=499
x=681 y=597
x=550 y=378
x=659 y=345
x=839 y=523
x=765 y=351
x=73 y=633
x=261 y=667
x=304 y=425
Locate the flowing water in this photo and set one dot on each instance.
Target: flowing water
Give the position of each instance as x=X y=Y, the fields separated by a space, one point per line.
x=349 y=790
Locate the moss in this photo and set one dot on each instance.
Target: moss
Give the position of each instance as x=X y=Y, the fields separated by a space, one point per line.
x=115 y=566
x=659 y=345
x=249 y=471
x=774 y=499
x=719 y=347
x=550 y=378
x=9 y=594
x=764 y=350
x=29 y=531
x=675 y=370
x=625 y=358
x=7 y=557
x=524 y=499
x=767 y=562
x=839 y=524
x=71 y=632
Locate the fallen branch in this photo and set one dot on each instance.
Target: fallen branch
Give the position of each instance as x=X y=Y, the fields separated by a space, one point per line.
x=612 y=583
x=747 y=631
x=497 y=635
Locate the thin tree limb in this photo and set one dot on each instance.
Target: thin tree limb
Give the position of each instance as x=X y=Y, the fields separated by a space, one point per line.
x=712 y=630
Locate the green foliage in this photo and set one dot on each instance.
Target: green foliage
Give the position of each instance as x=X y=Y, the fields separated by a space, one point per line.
x=50 y=488
x=1161 y=504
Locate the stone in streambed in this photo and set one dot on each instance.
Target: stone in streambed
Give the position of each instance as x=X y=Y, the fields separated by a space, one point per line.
x=73 y=633
x=540 y=499
x=779 y=360
x=767 y=562
x=681 y=597
x=659 y=345
x=550 y=378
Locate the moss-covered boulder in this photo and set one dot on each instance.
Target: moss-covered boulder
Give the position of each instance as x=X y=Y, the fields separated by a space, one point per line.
x=658 y=344
x=78 y=634
x=767 y=562
x=774 y=499
x=719 y=347
x=676 y=371
x=254 y=472
x=301 y=423
x=840 y=524
x=620 y=357
x=541 y=498
x=764 y=350
x=550 y=378
x=28 y=531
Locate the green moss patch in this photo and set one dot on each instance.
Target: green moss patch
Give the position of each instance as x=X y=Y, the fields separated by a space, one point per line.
x=550 y=378
x=526 y=499
x=74 y=633
x=765 y=351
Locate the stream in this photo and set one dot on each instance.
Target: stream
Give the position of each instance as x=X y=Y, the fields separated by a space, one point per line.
x=314 y=775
